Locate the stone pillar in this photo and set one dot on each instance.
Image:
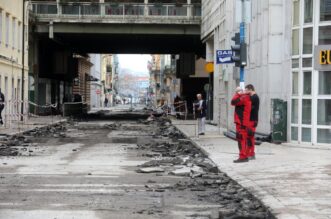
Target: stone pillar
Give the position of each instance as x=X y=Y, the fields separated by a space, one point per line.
x=102 y=7
x=59 y=7
x=146 y=8
x=189 y=9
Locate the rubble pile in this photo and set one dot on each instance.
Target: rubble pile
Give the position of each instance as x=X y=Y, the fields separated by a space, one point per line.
x=196 y=173
x=16 y=145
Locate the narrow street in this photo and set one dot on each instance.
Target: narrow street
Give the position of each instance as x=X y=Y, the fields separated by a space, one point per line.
x=115 y=169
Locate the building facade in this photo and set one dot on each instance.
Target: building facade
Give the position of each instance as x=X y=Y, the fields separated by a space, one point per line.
x=11 y=51
x=281 y=37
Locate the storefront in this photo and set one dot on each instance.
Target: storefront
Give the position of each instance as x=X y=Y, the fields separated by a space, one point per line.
x=310 y=116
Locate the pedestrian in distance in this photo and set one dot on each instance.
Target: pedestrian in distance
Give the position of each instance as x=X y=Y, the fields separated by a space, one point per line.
x=253 y=121
x=106 y=101
x=201 y=111
x=2 y=106
x=242 y=104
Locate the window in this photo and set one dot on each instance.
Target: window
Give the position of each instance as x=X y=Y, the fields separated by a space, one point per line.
x=324 y=112
x=307 y=83
x=324 y=35
x=0 y=26
x=14 y=33
x=7 y=30
x=325 y=10
x=307 y=62
x=306 y=111
x=306 y=135
x=324 y=136
x=295 y=111
x=295 y=63
x=294 y=133
x=19 y=38
x=296 y=12
x=308 y=11
x=324 y=83
x=295 y=83
x=308 y=40
x=295 y=42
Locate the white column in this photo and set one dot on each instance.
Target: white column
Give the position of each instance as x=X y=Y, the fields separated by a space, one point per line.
x=59 y=7
x=102 y=7
x=146 y=8
x=189 y=9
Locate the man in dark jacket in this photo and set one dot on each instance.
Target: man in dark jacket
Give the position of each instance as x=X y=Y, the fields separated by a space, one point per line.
x=201 y=109
x=253 y=121
x=242 y=104
x=2 y=105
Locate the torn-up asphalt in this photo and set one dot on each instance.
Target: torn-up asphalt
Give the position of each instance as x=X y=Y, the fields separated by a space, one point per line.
x=172 y=171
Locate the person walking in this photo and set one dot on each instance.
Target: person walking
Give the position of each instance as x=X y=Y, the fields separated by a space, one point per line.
x=2 y=106
x=253 y=121
x=201 y=108
x=106 y=101
x=242 y=104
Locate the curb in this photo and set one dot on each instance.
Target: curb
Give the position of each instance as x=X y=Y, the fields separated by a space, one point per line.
x=248 y=184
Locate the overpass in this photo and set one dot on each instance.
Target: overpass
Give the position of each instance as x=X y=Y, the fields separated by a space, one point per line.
x=59 y=30
x=120 y=27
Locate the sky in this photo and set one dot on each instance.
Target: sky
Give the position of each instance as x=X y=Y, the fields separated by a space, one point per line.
x=137 y=63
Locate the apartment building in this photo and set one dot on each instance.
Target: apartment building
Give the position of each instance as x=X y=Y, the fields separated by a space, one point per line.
x=11 y=53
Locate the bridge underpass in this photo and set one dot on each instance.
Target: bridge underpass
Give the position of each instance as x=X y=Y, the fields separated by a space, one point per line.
x=56 y=37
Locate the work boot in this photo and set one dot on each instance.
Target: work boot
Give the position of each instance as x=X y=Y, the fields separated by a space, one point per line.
x=240 y=160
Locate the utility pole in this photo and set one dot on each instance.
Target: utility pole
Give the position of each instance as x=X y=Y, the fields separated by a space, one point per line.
x=240 y=48
x=23 y=60
x=242 y=42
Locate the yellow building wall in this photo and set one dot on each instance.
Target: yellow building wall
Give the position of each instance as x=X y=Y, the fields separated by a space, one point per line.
x=11 y=20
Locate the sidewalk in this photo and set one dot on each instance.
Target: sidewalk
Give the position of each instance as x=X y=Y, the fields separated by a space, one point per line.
x=294 y=182
x=33 y=122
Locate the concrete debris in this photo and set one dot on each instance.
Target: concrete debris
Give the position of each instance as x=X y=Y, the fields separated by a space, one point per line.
x=150 y=170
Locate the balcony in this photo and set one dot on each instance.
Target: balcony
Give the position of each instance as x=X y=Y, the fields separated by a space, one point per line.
x=117 y=12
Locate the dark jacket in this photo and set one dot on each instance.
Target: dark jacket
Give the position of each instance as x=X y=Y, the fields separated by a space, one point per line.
x=203 y=112
x=255 y=108
x=2 y=98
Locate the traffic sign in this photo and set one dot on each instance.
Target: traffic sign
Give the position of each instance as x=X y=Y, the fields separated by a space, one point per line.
x=223 y=56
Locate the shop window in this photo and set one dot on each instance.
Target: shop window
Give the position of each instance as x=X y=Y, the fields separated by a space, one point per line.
x=294 y=133
x=295 y=83
x=295 y=111
x=306 y=111
x=295 y=42
x=308 y=40
x=307 y=83
x=296 y=12
x=325 y=10
x=324 y=136
x=324 y=35
x=324 y=83
x=306 y=135
x=324 y=112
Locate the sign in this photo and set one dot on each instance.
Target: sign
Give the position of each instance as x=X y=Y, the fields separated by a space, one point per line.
x=322 y=57
x=223 y=56
x=209 y=67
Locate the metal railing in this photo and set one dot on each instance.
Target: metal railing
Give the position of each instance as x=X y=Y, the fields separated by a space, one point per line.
x=111 y=9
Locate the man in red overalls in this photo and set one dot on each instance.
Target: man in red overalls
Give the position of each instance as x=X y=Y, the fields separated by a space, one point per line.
x=242 y=104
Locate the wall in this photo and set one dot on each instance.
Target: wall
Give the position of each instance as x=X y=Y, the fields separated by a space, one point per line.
x=269 y=42
x=11 y=51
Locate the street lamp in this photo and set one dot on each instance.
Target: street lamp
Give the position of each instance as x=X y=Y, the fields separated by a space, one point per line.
x=23 y=57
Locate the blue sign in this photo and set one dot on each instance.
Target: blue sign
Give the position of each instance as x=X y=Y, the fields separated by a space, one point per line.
x=223 y=56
